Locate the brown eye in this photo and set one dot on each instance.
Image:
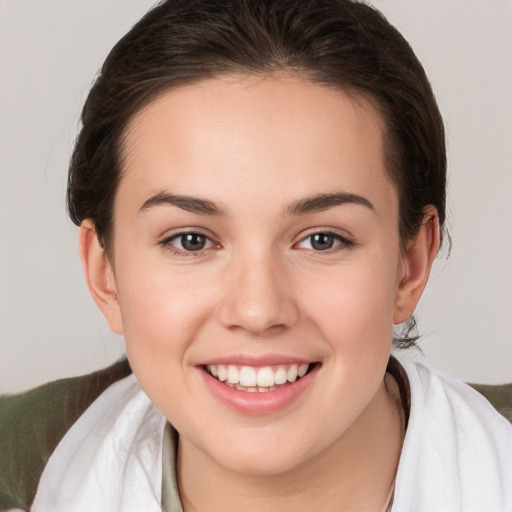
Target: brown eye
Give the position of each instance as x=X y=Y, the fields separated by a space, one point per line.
x=190 y=242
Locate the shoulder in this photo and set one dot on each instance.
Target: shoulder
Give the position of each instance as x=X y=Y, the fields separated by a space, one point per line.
x=457 y=453
x=500 y=396
x=430 y=388
x=33 y=423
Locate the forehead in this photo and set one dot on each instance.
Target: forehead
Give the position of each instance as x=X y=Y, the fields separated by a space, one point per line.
x=239 y=135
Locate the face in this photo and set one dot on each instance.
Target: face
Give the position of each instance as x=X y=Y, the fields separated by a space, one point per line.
x=257 y=270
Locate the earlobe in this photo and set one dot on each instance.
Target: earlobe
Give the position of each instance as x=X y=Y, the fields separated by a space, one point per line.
x=416 y=265
x=99 y=275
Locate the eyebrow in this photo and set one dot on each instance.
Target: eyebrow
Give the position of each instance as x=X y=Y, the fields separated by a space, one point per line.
x=321 y=202
x=313 y=204
x=188 y=203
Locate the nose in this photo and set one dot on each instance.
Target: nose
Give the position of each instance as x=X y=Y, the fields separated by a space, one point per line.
x=258 y=297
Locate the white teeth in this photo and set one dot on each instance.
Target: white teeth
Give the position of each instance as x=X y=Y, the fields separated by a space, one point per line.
x=303 y=368
x=233 y=374
x=248 y=377
x=292 y=372
x=265 y=377
x=280 y=376
x=222 y=374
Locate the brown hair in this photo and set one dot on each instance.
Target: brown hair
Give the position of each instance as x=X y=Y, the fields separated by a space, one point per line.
x=340 y=43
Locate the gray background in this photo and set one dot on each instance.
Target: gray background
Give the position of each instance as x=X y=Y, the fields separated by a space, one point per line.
x=50 y=51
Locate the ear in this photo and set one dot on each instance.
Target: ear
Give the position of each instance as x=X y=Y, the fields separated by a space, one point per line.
x=99 y=275
x=416 y=264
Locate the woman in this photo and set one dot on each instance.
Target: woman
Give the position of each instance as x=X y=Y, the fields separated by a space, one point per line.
x=260 y=190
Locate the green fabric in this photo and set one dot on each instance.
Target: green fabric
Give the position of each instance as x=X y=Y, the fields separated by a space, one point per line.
x=500 y=397
x=33 y=423
x=170 y=494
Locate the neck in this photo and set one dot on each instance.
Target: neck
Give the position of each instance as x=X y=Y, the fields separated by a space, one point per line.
x=356 y=472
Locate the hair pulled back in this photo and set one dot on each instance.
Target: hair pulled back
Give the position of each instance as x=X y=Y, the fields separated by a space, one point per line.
x=339 y=43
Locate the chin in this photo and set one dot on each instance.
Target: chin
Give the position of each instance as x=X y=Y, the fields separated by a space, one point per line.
x=264 y=458
x=264 y=464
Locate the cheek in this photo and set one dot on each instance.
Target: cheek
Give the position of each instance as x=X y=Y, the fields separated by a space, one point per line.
x=353 y=304
x=162 y=310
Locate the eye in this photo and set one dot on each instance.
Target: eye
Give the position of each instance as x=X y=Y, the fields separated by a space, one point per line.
x=188 y=242
x=324 y=241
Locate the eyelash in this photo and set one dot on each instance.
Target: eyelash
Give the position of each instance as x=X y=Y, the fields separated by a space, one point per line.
x=341 y=243
x=184 y=252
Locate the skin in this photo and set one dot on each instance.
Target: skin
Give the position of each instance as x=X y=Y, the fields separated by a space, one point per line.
x=255 y=147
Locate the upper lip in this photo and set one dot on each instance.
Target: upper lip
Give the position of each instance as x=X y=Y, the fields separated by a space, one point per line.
x=255 y=360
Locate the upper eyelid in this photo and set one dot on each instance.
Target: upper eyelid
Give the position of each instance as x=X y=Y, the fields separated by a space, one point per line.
x=336 y=232
x=179 y=252
x=172 y=234
x=345 y=241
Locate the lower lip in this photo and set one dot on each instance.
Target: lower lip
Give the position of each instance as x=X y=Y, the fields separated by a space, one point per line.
x=258 y=403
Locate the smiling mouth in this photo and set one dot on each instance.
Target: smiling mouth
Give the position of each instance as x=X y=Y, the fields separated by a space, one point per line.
x=258 y=379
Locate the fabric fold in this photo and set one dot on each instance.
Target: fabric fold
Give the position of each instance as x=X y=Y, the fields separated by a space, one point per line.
x=110 y=460
x=457 y=452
